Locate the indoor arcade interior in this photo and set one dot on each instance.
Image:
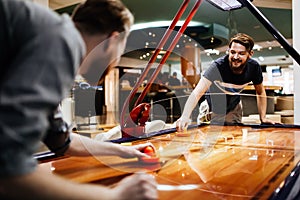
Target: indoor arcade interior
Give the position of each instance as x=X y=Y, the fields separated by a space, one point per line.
x=142 y=98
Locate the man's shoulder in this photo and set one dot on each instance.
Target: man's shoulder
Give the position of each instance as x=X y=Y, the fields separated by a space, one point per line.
x=253 y=65
x=221 y=61
x=251 y=61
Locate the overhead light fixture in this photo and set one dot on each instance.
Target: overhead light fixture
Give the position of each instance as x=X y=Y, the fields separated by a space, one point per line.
x=226 y=4
x=212 y=51
x=261 y=58
x=257 y=47
x=235 y=4
x=161 y=52
x=159 y=56
x=157 y=24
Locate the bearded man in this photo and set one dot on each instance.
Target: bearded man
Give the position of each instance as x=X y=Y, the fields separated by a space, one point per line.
x=223 y=81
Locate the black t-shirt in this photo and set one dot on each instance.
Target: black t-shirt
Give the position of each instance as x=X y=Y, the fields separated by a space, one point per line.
x=219 y=70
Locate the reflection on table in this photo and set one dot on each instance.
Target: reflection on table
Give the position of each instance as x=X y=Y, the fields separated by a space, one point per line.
x=211 y=162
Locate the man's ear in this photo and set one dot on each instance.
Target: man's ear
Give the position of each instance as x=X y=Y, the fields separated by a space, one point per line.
x=251 y=53
x=112 y=40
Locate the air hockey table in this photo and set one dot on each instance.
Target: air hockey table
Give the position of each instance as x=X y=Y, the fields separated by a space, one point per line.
x=206 y=162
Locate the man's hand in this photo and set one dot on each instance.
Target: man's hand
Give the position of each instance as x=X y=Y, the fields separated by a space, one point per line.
x=137 y=186
x=135 y=151
x=182 y=123
x=266 y=121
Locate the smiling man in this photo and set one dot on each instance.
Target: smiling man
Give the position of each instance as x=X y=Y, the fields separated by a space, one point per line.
x=223 y=80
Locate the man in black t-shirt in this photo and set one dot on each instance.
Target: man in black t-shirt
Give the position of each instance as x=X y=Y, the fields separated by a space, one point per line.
x=223 y=81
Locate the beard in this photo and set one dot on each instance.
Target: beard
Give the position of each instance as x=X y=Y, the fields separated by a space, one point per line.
x=237 y=66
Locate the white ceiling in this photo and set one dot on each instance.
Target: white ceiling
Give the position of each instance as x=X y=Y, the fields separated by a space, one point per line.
x=282 y=4
x=143 y=14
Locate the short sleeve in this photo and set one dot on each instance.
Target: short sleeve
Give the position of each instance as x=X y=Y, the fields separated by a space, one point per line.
x=213 y=73
x=257 y=77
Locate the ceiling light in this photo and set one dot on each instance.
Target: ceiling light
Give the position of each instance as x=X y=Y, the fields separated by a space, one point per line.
x=160 y=52
x=226 y=4
x=212 y=51
x=156 y=24
x=261 y=58
x=257 y=47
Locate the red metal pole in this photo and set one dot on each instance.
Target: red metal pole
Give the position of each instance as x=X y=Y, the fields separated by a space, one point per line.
x=169 y=51
x=152 y=60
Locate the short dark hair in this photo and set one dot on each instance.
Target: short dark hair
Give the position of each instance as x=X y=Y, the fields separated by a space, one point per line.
x=244 y=40
x=102 y=16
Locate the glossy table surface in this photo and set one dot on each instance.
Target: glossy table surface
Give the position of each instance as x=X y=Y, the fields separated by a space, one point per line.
x=210 y=162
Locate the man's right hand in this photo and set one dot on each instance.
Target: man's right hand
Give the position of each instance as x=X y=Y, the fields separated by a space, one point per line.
x=182 y=123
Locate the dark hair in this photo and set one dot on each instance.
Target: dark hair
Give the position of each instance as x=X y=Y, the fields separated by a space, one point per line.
x=102 y=16
x=244 y=40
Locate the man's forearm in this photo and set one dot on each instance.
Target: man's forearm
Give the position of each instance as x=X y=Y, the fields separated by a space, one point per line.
x=84 y=146
x=262 y=106
x=193 y=99
x=189 y=105
x=42 y=184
